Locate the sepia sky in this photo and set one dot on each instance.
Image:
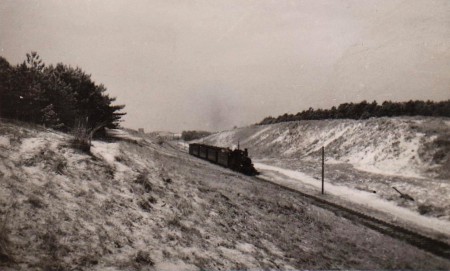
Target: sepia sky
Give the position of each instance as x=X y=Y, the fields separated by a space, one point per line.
x=214 y=64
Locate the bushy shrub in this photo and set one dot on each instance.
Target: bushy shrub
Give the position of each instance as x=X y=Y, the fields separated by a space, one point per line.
x=83 y=134
x=5 y=243
x=81 y=138
x=192 y=135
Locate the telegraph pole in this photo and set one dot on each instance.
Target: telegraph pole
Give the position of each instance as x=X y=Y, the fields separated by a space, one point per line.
x=323 y=168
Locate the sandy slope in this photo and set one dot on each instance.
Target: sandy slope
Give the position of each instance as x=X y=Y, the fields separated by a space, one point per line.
x=137 y=205
x=410 y=153
x=415 y=147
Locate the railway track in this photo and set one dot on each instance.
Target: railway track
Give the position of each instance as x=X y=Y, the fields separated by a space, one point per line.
x=418 y=240
x=436 y=247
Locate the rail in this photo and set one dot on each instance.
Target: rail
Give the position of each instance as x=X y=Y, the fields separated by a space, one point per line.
x=429 y=244
x=418 y=240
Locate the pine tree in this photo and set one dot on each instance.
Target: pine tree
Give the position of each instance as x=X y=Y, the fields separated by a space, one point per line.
x=58 y=96
x=6 y=108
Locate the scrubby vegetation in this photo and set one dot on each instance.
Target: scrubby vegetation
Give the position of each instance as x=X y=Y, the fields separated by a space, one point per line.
x=135 y=205
x=4 y=240
x=365 y=110
x=59 y=97
x=192 y=135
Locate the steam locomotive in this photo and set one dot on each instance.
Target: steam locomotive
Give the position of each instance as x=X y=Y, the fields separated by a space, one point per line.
x=236 y=160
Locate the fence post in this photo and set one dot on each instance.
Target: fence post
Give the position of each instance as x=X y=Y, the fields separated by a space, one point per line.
x=323 y=168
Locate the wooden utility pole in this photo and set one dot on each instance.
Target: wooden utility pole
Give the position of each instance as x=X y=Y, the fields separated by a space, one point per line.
x=323 y=168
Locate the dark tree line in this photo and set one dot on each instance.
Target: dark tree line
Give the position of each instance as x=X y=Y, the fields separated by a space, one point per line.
x=364 y=110
x=60 y=97
x=191 y=135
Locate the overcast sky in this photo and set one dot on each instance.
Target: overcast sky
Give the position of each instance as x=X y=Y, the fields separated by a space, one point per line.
x=214 y=64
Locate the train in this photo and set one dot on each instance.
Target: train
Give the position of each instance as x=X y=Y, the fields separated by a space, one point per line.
x=236 y=160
